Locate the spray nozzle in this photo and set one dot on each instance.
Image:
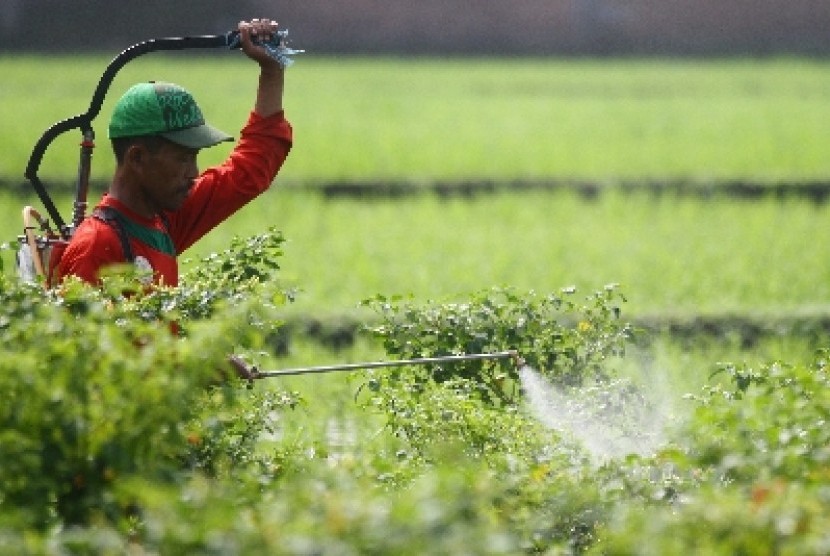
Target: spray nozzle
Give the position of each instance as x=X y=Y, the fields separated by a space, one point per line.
x=518 y=360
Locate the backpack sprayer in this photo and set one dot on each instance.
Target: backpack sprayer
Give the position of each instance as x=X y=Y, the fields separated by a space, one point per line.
x=44 y=239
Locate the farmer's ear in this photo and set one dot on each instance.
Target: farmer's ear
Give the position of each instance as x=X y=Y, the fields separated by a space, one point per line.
x=136 y=154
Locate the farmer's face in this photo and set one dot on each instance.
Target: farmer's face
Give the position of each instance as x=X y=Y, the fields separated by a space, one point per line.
x=169 y=173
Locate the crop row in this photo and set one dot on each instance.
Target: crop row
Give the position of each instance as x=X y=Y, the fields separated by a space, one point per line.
x=381 y=119
x=816 y=191
x=738 y=332
x=670 y=255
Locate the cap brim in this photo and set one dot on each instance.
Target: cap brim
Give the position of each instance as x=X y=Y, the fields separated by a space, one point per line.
x=198 y=137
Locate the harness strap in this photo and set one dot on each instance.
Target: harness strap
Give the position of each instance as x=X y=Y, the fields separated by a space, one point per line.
x=109 y=216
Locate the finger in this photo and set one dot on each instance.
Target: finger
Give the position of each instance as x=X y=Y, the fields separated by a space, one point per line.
x=245 y=34
x=256 y=27
x=265 y=27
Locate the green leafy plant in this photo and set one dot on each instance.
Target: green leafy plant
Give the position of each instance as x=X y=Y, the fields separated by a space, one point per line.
x=96 y=389
x=248 y=267
x=226 y=439
x=76 y=414
x=566 y=341
x=765 y=424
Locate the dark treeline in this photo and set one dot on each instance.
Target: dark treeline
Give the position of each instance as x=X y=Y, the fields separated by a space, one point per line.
x=490 y=27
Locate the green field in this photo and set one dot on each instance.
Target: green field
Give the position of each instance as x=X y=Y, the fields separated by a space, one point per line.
x=675 y=255
x=425 y=119
x=670 y=255
x=420 y=120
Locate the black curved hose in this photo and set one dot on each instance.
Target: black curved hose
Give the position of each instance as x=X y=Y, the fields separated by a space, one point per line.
x=84 y=121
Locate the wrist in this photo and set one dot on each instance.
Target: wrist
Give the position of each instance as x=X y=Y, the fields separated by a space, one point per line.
x=270 y=70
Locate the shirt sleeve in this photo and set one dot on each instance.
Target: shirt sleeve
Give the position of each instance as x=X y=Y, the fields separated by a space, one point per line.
x=222 y=190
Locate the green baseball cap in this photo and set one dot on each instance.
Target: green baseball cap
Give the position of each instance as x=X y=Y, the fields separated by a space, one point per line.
x=163 y=109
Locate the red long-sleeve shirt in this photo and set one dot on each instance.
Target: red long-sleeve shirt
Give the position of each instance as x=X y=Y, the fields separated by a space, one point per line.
x=219 y=192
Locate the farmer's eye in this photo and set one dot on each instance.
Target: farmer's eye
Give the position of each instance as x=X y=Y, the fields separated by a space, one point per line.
x=187 y=157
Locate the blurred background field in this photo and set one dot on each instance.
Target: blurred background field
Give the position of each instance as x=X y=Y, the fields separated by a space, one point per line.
x=417 y=119
x=669 y=254
x=630 y=130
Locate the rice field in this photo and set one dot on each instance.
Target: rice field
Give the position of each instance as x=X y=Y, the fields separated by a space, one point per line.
x=373 y=120
x=429 y=119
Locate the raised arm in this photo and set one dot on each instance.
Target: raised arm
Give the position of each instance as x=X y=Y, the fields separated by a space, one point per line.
x=271 y=75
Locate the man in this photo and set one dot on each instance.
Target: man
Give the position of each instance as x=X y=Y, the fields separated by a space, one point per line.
x=158 y=204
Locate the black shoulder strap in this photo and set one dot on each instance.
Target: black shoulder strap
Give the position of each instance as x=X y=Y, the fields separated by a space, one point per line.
x=110 y=216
